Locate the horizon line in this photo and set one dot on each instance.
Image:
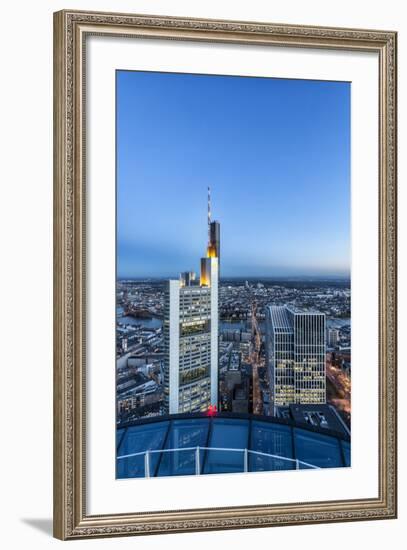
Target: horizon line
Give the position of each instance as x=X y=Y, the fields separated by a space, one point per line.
x=301 y=276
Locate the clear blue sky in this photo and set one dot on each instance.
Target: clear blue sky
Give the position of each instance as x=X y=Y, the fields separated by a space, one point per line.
x=276 y=153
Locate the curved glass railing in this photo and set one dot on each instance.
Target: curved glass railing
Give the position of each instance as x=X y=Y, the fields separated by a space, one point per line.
x=196 y=461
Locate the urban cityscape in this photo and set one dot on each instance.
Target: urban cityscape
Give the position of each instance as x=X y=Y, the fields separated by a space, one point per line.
x=233 y=330
x=264 y=347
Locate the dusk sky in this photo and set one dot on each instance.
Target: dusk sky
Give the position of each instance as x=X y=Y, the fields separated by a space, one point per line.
x=275 y=152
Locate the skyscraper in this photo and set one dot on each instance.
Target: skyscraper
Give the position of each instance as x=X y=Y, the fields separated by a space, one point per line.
x=295 y=353
x=191 y=334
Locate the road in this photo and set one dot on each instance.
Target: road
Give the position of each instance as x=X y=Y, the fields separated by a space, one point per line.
x=255 y=345
x=342 y=384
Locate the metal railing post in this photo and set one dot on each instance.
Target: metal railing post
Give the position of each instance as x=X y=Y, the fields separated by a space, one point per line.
x=197 y=462
x=246 y=461
x=147 y=464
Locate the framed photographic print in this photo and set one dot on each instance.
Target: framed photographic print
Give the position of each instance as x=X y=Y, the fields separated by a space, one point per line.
x=225 y=274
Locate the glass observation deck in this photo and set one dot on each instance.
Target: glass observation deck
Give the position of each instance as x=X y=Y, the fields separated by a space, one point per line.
x=225 y=443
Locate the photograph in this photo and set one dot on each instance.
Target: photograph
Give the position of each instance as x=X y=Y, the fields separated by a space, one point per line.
x=233 y=274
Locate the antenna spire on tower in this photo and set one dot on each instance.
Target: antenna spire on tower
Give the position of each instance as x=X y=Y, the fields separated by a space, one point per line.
x=209 y=205
x=209 y=210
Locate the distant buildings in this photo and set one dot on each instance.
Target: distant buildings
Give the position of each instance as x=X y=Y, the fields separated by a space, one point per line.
x=333 y=337
x=295 y=354
x=191 y=334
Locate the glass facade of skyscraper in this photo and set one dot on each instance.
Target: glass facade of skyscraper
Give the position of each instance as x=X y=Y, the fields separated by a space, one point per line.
x=309 y=357
x=200 y=444
x=194 y=348
x=296 y=355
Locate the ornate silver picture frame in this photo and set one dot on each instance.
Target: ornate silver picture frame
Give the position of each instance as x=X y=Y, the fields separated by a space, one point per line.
x=71 y=31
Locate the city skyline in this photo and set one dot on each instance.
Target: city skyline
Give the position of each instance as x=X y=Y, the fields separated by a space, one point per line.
x=203 y=134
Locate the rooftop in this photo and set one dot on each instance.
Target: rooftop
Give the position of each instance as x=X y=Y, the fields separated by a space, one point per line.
x=196 y=444
x=296 y=310
x=280 y=318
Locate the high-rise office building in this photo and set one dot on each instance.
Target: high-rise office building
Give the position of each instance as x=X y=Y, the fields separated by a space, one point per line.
x=295 y=354
x=191 y=334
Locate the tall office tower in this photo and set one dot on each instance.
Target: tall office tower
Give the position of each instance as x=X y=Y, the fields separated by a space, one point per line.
x=191 y=333
x=295 y=353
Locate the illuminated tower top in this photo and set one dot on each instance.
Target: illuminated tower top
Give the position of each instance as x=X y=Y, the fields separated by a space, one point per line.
x=213 y=249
